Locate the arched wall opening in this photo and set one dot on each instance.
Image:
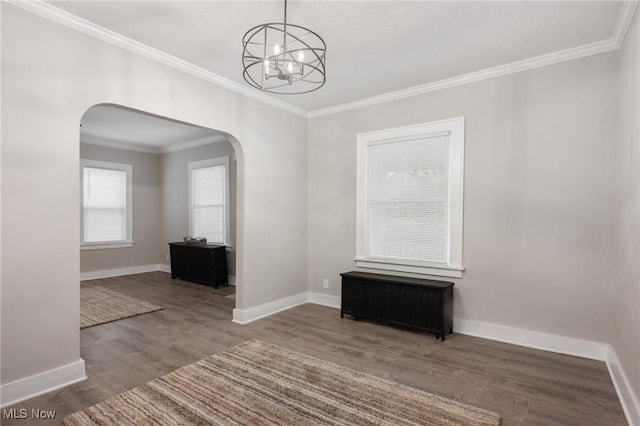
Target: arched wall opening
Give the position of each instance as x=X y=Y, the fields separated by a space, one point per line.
x=159 y=152
x=41 y=108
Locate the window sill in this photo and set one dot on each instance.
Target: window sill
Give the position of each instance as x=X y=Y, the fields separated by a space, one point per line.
x=437 y=270
x=101 y=246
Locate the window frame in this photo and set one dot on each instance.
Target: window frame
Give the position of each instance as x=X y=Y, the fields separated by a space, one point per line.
x=108 y=165
x=454 y=128
x=201 y=164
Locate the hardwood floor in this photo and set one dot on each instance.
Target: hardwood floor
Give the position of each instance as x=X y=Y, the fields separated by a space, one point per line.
x=526 y=386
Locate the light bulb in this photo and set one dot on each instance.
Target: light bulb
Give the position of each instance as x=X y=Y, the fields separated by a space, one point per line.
x=266 y=68
x=290 y=67
x=276 y=49
x=300 y=56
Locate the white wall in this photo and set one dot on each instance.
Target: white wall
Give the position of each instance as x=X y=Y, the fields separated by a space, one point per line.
x=538 y=194
x=625 y=326
x=147 y=212
x=50 y=76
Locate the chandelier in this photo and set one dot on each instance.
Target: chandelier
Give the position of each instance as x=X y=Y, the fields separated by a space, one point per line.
x=283 y=58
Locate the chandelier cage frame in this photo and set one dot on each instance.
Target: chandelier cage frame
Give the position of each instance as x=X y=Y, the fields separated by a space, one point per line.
x=284 y=58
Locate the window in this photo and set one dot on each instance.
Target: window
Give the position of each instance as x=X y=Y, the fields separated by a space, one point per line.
x=107 y=206
x=409 y=199
x=209 y=199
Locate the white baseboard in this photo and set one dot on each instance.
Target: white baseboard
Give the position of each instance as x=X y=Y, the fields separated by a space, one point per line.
x=564 y=345
x=118 y=272
x=245 y=316
x=532 y=339
x=628 y=398
x=516 y=336
x=324 y=299
x=164 y=268
x=38 y=384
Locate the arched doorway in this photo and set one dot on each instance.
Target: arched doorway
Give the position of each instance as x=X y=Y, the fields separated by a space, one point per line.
x=159 y=154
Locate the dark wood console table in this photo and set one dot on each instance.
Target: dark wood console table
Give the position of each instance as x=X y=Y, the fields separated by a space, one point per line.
x=204 y=264
x=420 y=304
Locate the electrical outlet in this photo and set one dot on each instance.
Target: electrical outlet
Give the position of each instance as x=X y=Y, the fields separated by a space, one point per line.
x=325 y=283
x=166 y=257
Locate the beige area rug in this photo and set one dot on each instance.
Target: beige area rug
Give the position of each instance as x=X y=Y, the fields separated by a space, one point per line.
x=257 y=383
x=99 y=305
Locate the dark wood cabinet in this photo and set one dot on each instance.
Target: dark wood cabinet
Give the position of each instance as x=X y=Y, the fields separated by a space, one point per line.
x=204 y=264
x=419 y=304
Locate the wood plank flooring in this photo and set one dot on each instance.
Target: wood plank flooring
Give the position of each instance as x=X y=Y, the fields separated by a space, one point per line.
x=526 y=386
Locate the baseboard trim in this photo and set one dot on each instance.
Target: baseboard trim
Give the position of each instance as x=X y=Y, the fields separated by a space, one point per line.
x=548 y=342
x=516 y=336
x=532 y=339
x=245 y=316
x=164 y=268
x=324 y=299
x=564 y=345
x=628 y=399
x=38 y=384
x=118 y=272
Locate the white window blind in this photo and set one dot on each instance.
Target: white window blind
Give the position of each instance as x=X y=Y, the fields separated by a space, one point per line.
x=208 y=186
x=105 y=205
x=408 y=199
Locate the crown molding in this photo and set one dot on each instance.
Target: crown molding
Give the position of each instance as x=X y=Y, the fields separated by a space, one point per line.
x=613 y=43
x=624 y=21
x=180 y=146
x=60 y=16
x=117 y=144
x=53 y=13
x=129 y=146
x=488 y=73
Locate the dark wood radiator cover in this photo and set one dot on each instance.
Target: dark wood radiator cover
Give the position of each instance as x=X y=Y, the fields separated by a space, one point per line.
x=419 y=304
x=204 y=264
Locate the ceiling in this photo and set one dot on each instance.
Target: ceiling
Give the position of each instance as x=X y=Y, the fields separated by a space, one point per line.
x=118 y=127
x=373 y=47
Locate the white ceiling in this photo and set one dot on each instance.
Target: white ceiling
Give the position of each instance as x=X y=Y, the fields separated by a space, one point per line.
x=373 y=47
x=124 y=128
